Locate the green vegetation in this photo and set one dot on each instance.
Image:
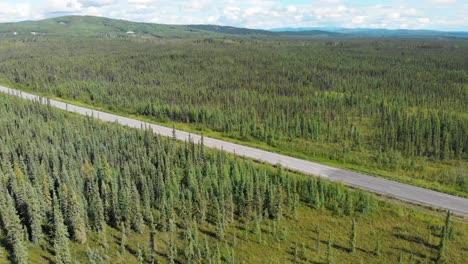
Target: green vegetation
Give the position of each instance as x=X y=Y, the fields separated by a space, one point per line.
x=89 y=26
x=75 y=189
x=395 y=108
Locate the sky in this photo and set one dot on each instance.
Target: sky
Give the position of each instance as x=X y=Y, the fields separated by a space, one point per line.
x=449 y=15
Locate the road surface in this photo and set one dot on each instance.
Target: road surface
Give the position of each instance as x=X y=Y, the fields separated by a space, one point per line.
x=374 y=184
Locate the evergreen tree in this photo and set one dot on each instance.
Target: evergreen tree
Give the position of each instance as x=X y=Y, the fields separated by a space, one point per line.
x=76 y=219
x=14 y=230
x=152 y=243
x=330 y=249
x=442 y=248
x=123 y=238
x=401 y=258
x=378 y=248
x=140 y=257
x=62 y=251
x=352 y=239
x=35 y=216
x=317 y=239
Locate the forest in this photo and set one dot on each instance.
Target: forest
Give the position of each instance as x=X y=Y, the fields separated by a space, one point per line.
x=395 y=108
x=76 y=190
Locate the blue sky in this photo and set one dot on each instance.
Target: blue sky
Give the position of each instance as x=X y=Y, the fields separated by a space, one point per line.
x=392 y=14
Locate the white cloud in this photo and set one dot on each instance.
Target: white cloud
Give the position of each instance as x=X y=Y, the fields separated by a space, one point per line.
x=444 y=1
x=358 y=19
x=17 y=12
x=424 y=20
x=62 y=6
x=96 y=3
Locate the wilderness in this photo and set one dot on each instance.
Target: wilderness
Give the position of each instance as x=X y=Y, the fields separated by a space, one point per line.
x=78 y=190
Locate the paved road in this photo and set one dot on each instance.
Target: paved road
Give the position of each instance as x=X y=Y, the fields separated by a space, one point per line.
x=374 y=184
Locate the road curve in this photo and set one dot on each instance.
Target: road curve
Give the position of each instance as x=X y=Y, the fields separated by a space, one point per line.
x=374 y=184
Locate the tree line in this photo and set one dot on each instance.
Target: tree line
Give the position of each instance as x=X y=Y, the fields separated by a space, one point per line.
x=365 y=102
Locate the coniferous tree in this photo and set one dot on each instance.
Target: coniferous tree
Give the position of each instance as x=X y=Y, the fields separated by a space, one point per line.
x=14 y=229
x=317 y=238
x=442 y=248
x=123 y=238
x=95 y=207
x=330 y=249
x=136 y=217
x=140 y=257
x=401 y=258
x=35 y=216
x=77 y=219
x=62 y=251
x=352 y=239
x=378 y=248
x=152 y=243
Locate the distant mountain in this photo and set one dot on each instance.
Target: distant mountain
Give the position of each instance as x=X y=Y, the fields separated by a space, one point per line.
x=233 y=30
x=300 y=29
x=311 y=33
x=90 y=26
x=379 y=32
x=261 y=32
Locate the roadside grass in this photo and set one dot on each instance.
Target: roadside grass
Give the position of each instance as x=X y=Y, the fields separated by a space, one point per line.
x=422 y=174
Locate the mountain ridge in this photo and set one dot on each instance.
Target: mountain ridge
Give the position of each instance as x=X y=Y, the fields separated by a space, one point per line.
x=92 y=26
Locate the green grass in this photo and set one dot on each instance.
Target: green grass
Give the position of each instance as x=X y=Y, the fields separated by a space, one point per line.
x=420 y=177
x=401 y=230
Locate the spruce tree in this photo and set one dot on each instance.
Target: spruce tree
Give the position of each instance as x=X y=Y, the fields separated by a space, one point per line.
x=442 y=248
x=378 y=248
x=152 y=243
x=140 y=257
x=35 y=216
x=13 y=227
x=317 y=239
x=123 y=238
x=77 y=219
x=330 y=249
x=352 y=239
x=62 y=251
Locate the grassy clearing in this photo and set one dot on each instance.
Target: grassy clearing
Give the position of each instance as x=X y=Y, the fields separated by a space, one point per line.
x=401 y=231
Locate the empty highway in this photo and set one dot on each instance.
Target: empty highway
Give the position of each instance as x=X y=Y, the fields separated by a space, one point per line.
x=374 y=184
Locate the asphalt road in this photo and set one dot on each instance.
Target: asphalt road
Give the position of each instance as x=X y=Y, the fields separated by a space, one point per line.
x=374 y=184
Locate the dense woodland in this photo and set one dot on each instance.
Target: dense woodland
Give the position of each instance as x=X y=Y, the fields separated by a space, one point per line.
x=67 y=182
x=393 y=107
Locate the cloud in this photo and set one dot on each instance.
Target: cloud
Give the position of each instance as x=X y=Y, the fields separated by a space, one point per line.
x=426 y=14
x=96 y=3
x=17 y=12
x=62 y=6
x=444 y=1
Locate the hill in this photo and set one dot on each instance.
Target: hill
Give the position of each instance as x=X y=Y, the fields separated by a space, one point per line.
x=89 y=26
x=373 y=32
x=233 y=30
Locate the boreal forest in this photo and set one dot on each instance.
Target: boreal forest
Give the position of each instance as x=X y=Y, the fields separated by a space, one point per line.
x=77 y=190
